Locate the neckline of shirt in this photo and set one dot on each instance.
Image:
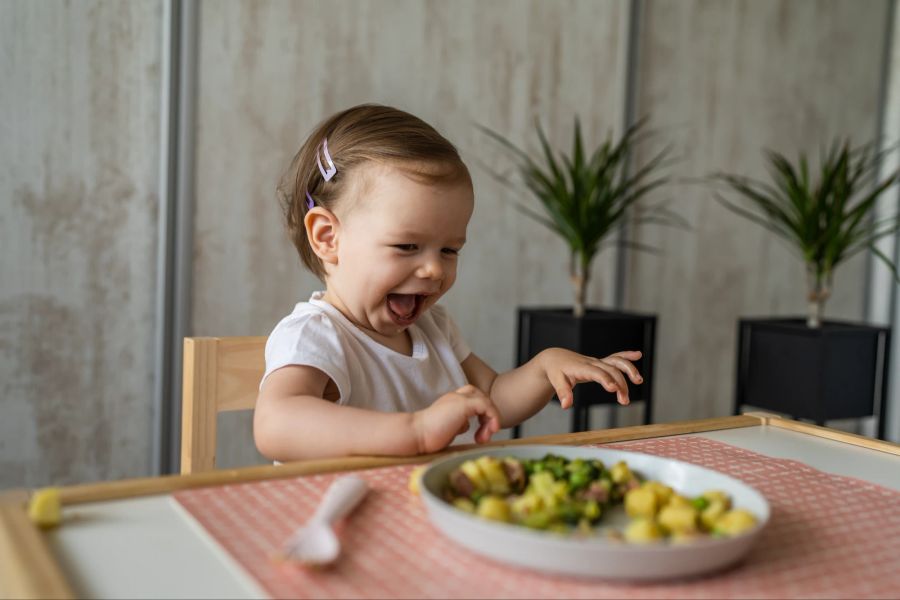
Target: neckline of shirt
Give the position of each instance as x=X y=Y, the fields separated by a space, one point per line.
x=419 y=350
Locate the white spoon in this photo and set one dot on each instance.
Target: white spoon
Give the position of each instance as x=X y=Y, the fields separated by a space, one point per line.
x=314 y=542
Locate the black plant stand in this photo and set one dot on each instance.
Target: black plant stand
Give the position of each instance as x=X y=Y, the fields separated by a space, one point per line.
x=598 y=333
x=838 y=371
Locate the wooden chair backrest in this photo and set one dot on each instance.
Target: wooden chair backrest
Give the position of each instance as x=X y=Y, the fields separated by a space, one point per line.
x=219 y=374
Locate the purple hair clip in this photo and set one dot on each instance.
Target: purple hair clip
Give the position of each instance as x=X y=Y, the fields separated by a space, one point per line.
x=309 y=201
x=331 y=168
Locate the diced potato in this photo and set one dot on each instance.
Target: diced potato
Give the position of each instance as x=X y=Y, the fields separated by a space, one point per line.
x=493 y=508
x=679 y=538
x=541 y=483
x=550 y=491
x=620 y=473
x=713 y=495
x=473 y=472
x=711 y=513
x=641 y=502
x=678 y=519
x=464 y=504
x=735 y=522
x=415 y=479
x=537 y=520
x=643 y=531
x=527 y=503
x=663 y=492
x=492 y=469
x=45 y=508
x=679 y=500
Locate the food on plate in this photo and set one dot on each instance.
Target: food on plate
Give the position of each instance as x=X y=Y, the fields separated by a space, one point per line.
x=564 y=495
x=415 y=479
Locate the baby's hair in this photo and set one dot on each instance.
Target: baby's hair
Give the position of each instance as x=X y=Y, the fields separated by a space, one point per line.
x=356 y=136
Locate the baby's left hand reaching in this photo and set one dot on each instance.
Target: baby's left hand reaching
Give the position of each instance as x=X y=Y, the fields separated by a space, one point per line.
x=564 y=369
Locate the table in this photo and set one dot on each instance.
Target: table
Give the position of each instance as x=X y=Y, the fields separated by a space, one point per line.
x=128 y=539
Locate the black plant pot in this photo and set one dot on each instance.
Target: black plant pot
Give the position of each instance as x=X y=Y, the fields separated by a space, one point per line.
x=598 y=333
x=838 y=371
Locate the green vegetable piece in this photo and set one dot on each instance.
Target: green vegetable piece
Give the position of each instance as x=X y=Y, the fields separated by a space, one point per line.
x=700 y=503
x=578 y=480
x=592 y=510
x=537 y=520
x=558 y=470
x=570 y=513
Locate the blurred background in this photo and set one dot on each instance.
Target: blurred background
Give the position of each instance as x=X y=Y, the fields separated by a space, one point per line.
x=141 y=142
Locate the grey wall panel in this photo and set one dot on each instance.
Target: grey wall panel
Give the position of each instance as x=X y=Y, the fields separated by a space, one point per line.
x=270 y=71
x=78 y=167
x=723 y=80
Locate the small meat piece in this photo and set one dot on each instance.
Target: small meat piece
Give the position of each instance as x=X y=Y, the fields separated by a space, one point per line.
x=515 y=474
x=597 y=493
x=461 y=485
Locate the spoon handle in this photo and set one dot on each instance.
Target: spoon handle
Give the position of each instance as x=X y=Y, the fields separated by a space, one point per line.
x=343 y=495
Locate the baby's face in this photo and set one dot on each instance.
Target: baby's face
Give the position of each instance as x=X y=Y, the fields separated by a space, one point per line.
x=398 y=246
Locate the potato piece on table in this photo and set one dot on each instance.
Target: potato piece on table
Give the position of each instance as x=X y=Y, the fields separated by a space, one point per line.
x=45 y=508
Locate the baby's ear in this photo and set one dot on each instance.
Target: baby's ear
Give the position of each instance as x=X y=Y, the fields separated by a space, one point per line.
x=321 y=231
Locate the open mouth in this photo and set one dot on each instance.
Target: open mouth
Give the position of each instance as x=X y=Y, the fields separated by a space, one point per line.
x=405 y=308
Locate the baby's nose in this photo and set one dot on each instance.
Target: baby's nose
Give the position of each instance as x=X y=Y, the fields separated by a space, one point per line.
x=431 y=269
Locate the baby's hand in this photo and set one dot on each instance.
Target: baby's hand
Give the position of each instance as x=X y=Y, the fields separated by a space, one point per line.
x=564 y=369
x=437 y=425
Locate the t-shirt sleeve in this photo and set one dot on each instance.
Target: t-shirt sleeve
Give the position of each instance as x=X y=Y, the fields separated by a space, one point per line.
x=308 y=339
x=445 y=324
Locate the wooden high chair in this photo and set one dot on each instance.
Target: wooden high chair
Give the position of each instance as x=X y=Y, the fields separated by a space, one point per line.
x=219 y=374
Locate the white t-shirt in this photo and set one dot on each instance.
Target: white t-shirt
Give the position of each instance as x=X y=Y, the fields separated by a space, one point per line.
x=368 y=374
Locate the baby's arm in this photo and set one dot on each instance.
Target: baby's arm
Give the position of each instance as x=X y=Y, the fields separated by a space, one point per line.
x=520 y=393
x=292 y=421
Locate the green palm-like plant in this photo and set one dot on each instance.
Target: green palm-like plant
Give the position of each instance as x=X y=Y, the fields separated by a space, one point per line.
x=827 y=220
x=586 y=197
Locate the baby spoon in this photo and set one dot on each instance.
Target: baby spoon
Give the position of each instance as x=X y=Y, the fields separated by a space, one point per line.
x=314 y=542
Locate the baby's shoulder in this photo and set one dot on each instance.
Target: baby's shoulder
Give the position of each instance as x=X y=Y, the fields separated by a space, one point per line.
x=306 y=319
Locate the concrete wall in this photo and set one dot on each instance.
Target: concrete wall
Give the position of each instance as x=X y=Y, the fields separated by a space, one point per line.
x=79 y=155
x=454 y=64
x=723 y=80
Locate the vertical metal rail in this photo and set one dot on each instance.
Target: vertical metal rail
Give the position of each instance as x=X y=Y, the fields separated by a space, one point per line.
x=882 y=290
x=632 y=28
x=629 y=116
x=175 y=224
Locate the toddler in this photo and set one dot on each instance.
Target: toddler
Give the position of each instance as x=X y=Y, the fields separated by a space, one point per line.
x=377 y=203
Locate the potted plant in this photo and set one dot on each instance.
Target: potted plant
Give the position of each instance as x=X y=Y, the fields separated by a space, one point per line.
x=809 y=367
x=585 y=198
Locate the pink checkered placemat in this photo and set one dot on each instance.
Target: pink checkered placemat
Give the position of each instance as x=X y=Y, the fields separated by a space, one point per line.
x=829 y=537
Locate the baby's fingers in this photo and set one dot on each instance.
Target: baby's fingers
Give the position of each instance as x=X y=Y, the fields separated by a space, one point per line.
x=624 y=366
x=627 y=354
x=562 y=386
x=611 y=379
x=488 y=417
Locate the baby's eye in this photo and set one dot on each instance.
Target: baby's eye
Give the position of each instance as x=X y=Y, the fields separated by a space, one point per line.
x=450 y=251
x=406 y=247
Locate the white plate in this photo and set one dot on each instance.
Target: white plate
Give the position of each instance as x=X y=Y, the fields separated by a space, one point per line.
x=596 y=556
